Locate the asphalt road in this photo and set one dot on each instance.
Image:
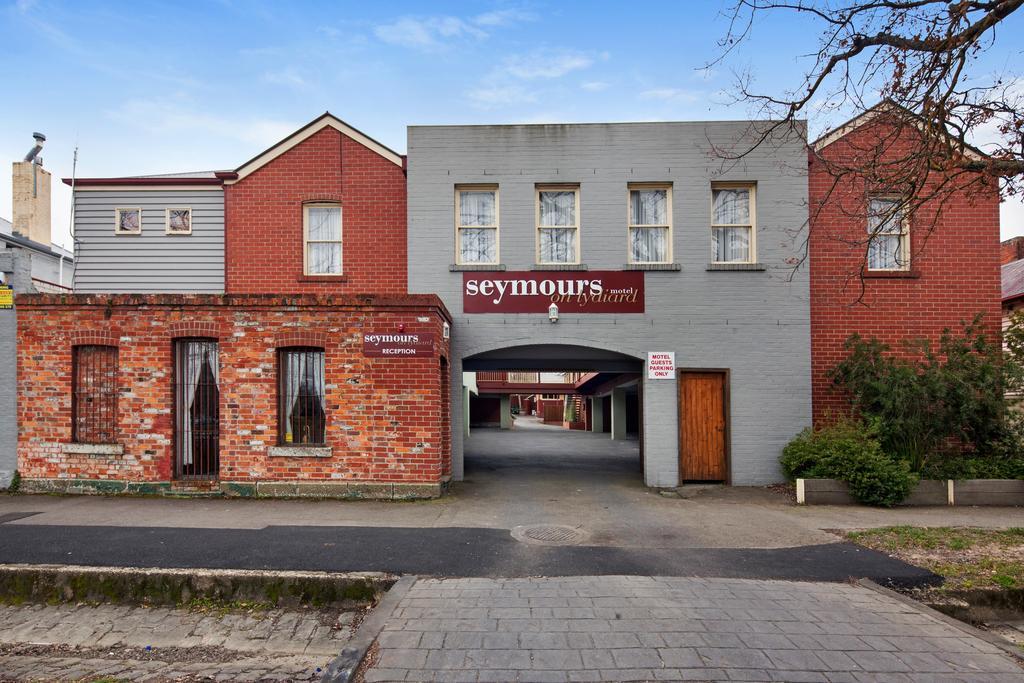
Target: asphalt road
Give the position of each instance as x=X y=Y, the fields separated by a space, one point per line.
x=453 y=552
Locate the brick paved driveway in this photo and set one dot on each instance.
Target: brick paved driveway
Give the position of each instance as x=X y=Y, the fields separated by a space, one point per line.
x=615 y=628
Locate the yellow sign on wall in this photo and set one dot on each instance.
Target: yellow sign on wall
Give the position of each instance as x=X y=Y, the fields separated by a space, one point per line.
x=6 y=297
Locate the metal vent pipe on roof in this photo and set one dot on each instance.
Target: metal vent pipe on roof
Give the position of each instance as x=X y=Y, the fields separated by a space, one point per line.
x=36 y=149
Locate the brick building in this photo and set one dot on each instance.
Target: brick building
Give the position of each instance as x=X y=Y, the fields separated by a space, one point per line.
x=942 y=270
x=314 y=373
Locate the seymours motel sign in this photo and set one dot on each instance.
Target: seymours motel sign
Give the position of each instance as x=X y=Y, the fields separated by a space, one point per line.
x=401 y=344
x=599 y=291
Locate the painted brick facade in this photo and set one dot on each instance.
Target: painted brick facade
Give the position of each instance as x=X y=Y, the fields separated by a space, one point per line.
x=954 y=270
x=387 y=423
x=264 y=220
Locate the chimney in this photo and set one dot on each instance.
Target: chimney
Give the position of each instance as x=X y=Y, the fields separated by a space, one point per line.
x=1011 y=250
x=31 y=194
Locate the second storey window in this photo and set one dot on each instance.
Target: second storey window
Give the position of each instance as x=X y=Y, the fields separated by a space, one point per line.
x=732 y=223
x=650 y=230
x=179 y=221
x=94 y=394
x=558 y=211
x=127 y=221
x=323 y=239
x=302 y=404
x=476 y=226
x=888 y=245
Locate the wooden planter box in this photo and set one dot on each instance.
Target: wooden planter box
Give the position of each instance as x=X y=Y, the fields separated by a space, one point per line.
x=991 y=492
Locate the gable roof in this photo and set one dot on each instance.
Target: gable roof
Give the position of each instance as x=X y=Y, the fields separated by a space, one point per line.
x=327 y=119
x=1013 y=280
x=884 y=107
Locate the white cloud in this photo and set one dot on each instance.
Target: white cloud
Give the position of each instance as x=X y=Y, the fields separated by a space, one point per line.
x=492 y=96
x=433 y=33
x=546 y=64
x=503 y=17
x=672 y=95
x=594 y=86
x=159 y=117
x=287 y=77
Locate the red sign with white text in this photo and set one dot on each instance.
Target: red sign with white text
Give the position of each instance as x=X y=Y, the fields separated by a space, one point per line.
x=398 y=344
x=598 y=291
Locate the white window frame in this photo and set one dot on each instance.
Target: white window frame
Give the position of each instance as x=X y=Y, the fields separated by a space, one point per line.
x=904 y=234
x=575 y=189
x=630 y=226
x=459 y=189
x=752 y=187
x=306 y=241
x=117 y=220
x=167 y=220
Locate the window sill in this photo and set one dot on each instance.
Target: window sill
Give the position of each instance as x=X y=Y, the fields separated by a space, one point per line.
x=892 y=274
x=323 y=278
x=299 y=451
x=560 y=266
x=92 y=448
x=736 y=266
x=470 y=267
x=652 y=266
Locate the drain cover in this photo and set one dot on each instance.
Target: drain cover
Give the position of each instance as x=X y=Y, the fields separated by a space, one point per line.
x=549 y=534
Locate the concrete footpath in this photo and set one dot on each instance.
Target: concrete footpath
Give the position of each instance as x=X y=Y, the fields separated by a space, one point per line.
x=130 y=643
x=634 y=628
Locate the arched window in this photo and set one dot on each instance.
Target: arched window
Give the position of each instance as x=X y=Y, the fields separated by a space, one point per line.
x=302 y=403
x=94 y=394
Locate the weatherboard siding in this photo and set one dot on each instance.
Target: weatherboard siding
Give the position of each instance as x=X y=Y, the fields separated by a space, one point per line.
x=152 y=262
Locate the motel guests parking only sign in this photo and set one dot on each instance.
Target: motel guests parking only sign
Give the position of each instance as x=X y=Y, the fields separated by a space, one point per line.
x=596 y=291
x=661 y=364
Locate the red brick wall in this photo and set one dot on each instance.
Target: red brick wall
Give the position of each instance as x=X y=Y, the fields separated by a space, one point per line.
x=387 y=417
x=1011 y=250
x=263 y=220
x=954 y=268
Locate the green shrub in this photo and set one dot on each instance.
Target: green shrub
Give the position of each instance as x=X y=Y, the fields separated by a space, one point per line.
x=849 y=451
x=926 y=402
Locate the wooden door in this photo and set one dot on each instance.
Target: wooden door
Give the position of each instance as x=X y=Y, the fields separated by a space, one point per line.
x=703 y=425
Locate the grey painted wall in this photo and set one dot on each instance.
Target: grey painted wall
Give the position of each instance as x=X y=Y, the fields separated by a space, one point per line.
x=16 y=266
x=756 y=323
x=152 y=261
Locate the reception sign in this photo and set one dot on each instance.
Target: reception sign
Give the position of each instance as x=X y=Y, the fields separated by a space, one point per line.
x=598 y=291
x=401 y=344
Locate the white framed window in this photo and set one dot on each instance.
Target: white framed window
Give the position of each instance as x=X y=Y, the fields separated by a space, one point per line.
x=476 y=225
x=888 y=234
x=178 y=221
x=322 y=236
x=128 y=221
x=558 y=224
x=733 y=223
x=650 y=223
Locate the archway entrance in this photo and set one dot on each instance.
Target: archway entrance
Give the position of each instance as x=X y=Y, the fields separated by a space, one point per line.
x=551 y=415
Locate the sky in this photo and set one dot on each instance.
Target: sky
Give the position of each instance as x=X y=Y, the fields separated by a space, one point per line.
x=158 y=87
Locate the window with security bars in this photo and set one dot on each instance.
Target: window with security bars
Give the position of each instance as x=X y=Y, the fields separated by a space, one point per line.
x=732 y=224
x=94 y=394
x=476 y=225
x=302 y=403
x=558 y=225
x=888 y=247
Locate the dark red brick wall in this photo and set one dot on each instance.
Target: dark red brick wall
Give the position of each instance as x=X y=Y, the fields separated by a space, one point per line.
x=1011 y=250
x=954 y=268
x=484 y=411
x=263 y=220
x=387 y=417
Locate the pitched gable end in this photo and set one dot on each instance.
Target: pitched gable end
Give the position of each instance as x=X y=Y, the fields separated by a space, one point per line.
x=326 y=120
